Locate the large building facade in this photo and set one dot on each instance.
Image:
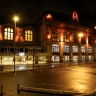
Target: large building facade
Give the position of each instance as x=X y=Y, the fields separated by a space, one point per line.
x=54 y=37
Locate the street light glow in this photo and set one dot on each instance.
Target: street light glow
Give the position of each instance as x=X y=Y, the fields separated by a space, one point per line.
x=16 y=18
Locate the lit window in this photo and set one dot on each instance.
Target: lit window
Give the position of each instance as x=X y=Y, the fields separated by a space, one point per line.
x=75 y=49
x=89 y=49
x=28 y=35
x=8 y=34
x=83 y=50
x=55 y=58
x=55 y=48
x=66 y=49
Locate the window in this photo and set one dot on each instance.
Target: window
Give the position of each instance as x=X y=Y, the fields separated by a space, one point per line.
x=55 y=58
x=55 y=48
x=55 y=37
x=75 y=49
x=8 y=34
x=66 y=36
x=28 y=35
x=90 y=49
x=83 y=49
x=66 y=49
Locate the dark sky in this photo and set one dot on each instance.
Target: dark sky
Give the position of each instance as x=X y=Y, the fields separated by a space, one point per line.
x=29 y=10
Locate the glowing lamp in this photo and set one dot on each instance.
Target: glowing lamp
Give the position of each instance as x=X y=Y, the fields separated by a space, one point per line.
x=21 y=53
x=80 y=35
x=95 y=27
x=49 y=36
x=49 y=17
x=16 y=18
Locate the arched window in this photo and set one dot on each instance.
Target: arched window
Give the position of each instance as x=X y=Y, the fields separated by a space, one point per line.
x=8 y=34
x=28 y=35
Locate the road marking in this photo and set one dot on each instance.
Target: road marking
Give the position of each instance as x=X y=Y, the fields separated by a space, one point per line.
x=29 y=72
x=42 y=71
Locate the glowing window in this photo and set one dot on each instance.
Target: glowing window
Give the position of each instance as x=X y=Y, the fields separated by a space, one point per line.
x=55 y=58
x=75 y=49
x=55 y=48
x=8 y=34
x=89 y=49
x=28 y=35
x=66 y=49
x=83 y=49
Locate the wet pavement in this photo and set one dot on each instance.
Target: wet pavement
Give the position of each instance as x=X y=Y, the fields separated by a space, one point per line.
x=79 y=78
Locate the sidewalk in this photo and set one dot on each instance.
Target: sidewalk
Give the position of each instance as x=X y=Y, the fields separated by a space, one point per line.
x=8 y=68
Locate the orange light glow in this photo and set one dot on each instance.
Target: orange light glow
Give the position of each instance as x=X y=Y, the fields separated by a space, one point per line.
x=61 y=38
x=49 y=17
x=75 y=15
x=1 y=37
x=49 y=36
x=80 y=34
x=95 y=27
x=19 y=36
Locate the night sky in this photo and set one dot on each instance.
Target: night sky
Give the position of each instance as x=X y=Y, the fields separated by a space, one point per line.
x=29 y=10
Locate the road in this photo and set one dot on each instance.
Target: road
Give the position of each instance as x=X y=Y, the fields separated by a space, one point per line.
x=79 y=78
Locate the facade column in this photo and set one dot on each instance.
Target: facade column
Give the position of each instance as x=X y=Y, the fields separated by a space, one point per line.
x=79 y=50
x=61 y=46
x=70 y=54
x=79 y=53
x=79 y=47
x=87 y=45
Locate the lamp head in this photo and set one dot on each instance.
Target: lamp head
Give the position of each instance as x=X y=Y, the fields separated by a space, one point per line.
x=16 y=18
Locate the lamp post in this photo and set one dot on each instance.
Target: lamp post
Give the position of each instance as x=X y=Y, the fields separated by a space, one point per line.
x=15 y=19
x=80 y=35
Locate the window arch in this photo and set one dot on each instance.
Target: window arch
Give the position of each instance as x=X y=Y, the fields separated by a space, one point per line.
x=8 y=34
x=28 y=35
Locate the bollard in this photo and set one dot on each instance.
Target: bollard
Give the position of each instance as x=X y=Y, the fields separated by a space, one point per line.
x=1 y=93
x=18 y=88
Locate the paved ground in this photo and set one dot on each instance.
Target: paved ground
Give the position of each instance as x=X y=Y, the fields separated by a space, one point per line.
x=75 y=78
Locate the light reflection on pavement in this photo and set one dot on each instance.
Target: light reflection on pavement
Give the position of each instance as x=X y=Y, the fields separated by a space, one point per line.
x=68 y=78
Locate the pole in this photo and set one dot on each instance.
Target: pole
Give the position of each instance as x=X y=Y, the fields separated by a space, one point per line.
x=14 y=45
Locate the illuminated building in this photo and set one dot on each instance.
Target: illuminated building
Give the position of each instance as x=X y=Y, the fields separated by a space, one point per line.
x=53 y=39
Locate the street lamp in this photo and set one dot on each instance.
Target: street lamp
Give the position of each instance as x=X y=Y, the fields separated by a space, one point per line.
x=15 y=19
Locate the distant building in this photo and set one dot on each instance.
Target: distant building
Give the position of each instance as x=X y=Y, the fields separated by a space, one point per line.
x=54 y=37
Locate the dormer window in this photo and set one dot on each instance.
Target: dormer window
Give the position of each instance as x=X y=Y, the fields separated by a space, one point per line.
x=75 y=15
